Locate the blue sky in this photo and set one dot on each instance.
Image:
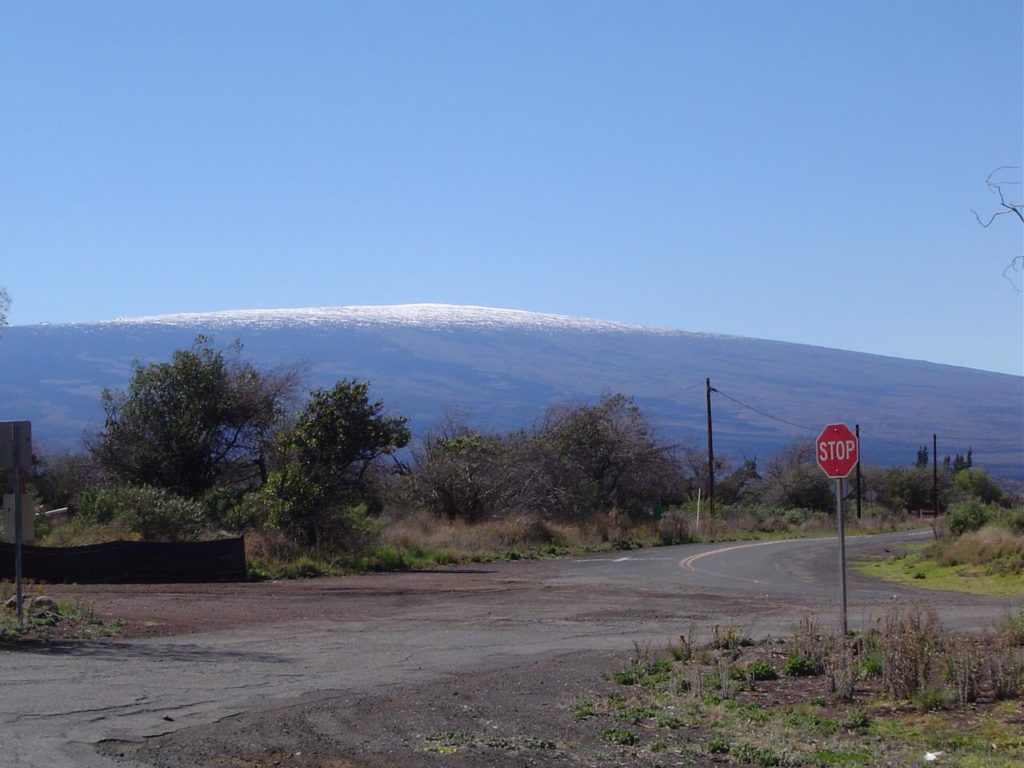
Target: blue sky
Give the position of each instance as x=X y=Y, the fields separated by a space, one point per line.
x=801 y=171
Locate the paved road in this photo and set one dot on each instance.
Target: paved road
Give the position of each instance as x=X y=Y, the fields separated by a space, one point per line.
x=367 y=633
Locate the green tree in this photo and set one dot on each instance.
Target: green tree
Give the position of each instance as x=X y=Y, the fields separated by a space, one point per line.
x=961 y=463
x=5 y=305
x=200 y=420
x=328 y=461
x=922 y=457
x=976 y=483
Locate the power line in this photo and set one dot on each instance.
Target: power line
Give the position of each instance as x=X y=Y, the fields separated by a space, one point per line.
x=981 y=439
x=669 y=397
x=883 y=440
x=764 y=413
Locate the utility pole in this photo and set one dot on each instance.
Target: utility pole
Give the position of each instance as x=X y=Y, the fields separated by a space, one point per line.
x=856 y=428
x=711 y=452
x=935 y=474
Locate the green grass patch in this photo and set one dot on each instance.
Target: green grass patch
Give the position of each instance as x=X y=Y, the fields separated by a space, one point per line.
x=917 y=570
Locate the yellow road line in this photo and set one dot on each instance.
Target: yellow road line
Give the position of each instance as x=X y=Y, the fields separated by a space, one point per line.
x=688 y=562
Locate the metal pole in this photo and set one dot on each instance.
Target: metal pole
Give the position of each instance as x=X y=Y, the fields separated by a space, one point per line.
x=857 y=430
x=935 y=475
x=698 y=509
x=842 y=548
x=711 y=454
x=18 y=600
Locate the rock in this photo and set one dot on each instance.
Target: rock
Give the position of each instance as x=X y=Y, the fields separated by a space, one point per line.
x=41 y=604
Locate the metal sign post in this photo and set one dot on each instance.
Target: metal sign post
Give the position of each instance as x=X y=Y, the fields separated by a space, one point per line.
x=842 y=546
x=18 y=600
x=837 y=451
x=16 y=454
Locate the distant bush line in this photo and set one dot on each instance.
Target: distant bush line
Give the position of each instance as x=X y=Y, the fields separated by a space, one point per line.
x=205 y=444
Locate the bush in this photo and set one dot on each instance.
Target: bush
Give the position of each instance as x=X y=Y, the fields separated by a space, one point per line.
x=996 y=548
x=1011 y=519
x=761 y=670
x=152 y=513
x=976 y=484
x=798 y=665
x=967 y=516
x=911 y=644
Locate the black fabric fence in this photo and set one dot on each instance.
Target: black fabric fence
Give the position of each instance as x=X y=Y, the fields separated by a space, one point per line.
x=129 y=561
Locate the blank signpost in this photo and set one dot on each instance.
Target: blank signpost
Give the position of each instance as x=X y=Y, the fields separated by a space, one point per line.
x=16 y=455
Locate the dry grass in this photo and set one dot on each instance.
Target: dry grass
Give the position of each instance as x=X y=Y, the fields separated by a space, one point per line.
x=984 y=546
x=521 y=535
x=884 y=697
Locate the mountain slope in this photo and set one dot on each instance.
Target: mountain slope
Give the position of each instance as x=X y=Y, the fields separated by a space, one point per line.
x=499 y=369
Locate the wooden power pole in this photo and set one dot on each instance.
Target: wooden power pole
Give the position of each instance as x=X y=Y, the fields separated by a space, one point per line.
x=711 y=452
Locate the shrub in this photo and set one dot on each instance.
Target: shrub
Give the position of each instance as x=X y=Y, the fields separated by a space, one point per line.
x=976 y=484
x=620 y=736
x=990 y=546
x=871 y=666
x=798 y=665
x=152 y=513
x=1011 y=519
x=761 y=670
x=911 y=644
x=966 y=516
x=762 y=756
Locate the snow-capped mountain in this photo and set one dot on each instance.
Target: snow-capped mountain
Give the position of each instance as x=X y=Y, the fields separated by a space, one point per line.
x=499 y=368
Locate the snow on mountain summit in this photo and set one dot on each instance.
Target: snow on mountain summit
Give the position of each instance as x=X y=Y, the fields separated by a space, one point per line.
x=411 y=315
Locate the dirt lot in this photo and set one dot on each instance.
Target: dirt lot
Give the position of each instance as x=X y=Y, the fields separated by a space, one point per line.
x=463 y=667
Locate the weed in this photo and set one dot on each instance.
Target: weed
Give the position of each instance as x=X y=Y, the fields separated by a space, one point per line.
x=451 y=738
x=616 y=700
x=624 y=676
x=871 y=666
x=499 y=742
x=856 y=719
x=910 y=643
x=841 y=667
x=666 y=720
x=584 y=709
x=929 y=698
x=532 y=742
x=1005 y=667
x=1011 y=629
x=637 y=714
x=621 y=737
x=798 y=665
x=842 y=757
x=963 y=668
x=761 y=670
x=681 y=651
x=718 y=746
x=748 y=753
x=729 y=638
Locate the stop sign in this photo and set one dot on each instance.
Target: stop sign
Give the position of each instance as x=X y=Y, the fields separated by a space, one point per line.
x=837 y=450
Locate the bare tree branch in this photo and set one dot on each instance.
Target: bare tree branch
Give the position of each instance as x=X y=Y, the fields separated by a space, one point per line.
x=1010 y=208
x=5 y=305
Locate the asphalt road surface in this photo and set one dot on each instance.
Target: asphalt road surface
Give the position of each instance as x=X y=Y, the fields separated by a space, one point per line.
x=259 y=651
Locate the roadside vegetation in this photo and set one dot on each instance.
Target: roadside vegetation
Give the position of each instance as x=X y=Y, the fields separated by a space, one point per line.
x=902 y=692
x=978 y=545
x=44 y=618
x=328 y=481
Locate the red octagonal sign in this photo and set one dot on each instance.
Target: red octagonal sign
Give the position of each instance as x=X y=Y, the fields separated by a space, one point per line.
x=837 y=450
